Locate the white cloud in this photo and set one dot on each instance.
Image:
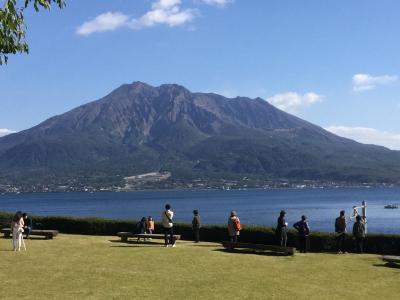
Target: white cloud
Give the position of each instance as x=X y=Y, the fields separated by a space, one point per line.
x=365 y=82
x=367 y=135
x=164 y=12
x=5 y=131
x=108 y=21
x=293 y=102
x=220 y=3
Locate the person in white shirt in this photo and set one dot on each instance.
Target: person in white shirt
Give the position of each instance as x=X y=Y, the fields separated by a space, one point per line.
x=17 y=227
x=166 y=221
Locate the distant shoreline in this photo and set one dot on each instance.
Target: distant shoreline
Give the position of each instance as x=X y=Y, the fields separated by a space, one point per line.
x=212 y=189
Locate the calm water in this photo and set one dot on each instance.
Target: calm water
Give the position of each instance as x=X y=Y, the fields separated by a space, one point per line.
x=253 y=206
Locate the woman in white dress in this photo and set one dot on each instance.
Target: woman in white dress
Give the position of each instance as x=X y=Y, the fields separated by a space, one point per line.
x=17 y=227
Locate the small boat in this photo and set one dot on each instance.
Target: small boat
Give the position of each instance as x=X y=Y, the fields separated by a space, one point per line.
x=391 y=206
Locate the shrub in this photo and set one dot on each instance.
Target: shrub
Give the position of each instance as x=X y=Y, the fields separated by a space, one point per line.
x=319 y=241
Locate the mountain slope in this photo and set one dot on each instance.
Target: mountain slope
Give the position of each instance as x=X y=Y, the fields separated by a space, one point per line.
x=138 y=128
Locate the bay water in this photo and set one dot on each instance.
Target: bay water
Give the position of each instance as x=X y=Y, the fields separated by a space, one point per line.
x=254 y=206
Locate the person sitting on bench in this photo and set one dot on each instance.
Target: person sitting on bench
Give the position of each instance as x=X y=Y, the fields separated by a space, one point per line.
x=27 y=224
x=150 y=225
x=142 y=227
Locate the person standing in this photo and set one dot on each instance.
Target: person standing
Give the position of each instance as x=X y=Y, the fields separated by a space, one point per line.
x=303 y=231
x=359 y=234
x=281 y=229
x=17 y=227
x=340 y=229
x=196 y=225
x=234 y=227
x=27 y=224
x=168 y=225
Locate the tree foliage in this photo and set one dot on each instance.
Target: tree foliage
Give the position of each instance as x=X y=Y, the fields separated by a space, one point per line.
x=13 y=27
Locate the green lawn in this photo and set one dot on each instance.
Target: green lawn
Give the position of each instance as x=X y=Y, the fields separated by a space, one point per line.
x=88 y=267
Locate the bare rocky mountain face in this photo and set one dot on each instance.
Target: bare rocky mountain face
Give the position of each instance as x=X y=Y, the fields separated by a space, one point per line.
x=139 y=128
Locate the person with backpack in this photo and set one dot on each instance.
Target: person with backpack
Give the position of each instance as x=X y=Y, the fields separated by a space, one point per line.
x=168 y=225
x=196 y=225
x=340 y=229
x=234 y=227
x=359 y=234
x=303 y=231
x=281 y=229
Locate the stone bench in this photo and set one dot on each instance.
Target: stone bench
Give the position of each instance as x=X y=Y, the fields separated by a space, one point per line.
x=48 y=234
x=391 y=259
x=125 y=235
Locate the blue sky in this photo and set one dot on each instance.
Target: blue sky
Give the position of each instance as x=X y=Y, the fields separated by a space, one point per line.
x=333 y=63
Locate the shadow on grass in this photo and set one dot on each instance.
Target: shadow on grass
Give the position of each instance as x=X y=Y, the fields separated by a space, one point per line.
x=129 y=246
x=254 y=252
x=36 y=238
x=135 y=244
x=388 y=265
x=200 y=245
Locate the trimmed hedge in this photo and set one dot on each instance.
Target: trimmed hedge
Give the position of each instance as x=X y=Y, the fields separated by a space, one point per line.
x=319 y=241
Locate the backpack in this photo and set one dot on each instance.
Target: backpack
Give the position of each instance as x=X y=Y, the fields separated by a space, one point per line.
x=359 y=230
x=340 y=225
x=301 y=228
x=236 y=224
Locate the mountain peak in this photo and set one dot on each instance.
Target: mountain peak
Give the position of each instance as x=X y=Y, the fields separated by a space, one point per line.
x=140 y=84
x=139 y=128
x=173 y=87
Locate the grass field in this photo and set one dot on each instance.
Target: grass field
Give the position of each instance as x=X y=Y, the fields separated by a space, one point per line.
x=89 y=267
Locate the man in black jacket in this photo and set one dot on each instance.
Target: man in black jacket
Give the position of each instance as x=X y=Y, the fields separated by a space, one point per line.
x=359 y=234
x=196 y=225
x=27 y=224
x=340 y=229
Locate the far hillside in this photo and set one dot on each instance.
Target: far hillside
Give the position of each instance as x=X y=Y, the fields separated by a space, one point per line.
x=139 y=129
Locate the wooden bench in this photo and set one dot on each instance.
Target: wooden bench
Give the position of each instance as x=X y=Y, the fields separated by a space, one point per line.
x=125 y=235
x=273 y=248
x=48 y=234
x=391 y=259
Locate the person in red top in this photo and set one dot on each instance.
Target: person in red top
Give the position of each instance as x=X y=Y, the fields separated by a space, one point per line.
x=234 y=227
x=150 y=224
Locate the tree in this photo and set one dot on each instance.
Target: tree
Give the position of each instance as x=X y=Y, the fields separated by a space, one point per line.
x=13 y=28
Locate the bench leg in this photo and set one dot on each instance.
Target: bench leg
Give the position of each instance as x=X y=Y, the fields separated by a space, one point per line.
x=124 y=239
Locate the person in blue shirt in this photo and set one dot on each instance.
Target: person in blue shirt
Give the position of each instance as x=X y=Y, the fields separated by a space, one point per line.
x=303 y=231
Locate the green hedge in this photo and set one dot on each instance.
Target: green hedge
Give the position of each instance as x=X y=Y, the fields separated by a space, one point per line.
x=319 y=241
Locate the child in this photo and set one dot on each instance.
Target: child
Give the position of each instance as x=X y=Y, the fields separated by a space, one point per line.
x=150 y=225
